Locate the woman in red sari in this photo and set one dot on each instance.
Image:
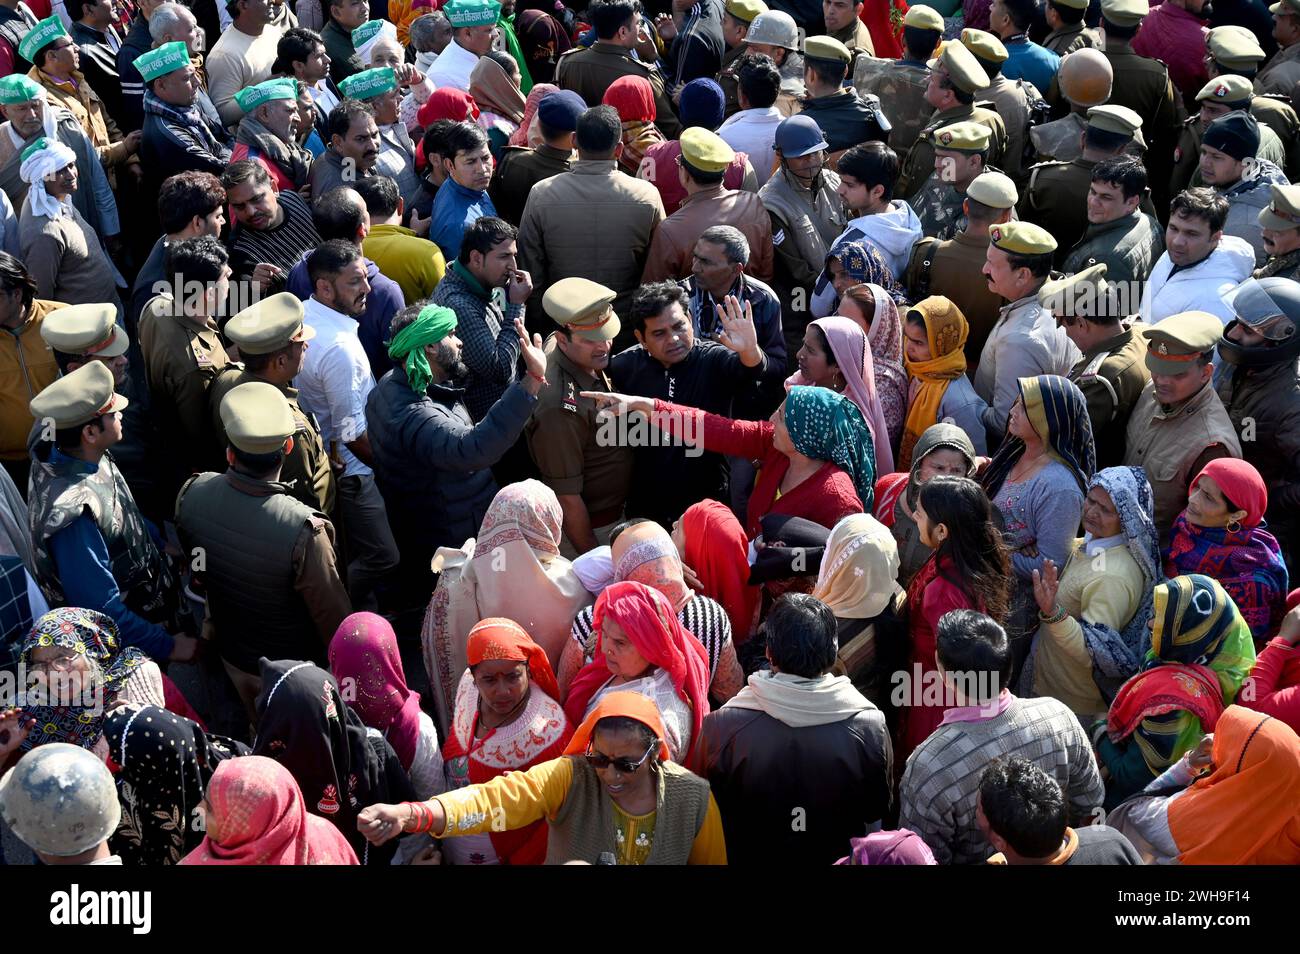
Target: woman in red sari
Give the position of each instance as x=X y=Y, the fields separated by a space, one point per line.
x=969 y=569
x=506 y=718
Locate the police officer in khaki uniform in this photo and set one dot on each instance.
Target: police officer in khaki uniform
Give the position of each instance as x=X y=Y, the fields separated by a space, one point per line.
x=1281 y=234
x=1282 y=72
x=737 y=16
x=521 y=168
x=1057 y=194
x=183 y=355
x=1143 y=85
x=952 y=268
x=1069 y=32
x=846 y=118
x=960 y=151
x=590 y=71
x=589 y=474
x=1179 y=424
x=1009 y=97
x=267 y=564
x=1234 y=51
x=900 y=84
x=1112 y=372
x=79 y=334
x=955 y=79
x=1084 y=81
x=1226 y=94
x=272 y=341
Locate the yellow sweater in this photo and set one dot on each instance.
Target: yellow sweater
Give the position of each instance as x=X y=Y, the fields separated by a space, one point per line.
x=517 y=799
x=1105 y=588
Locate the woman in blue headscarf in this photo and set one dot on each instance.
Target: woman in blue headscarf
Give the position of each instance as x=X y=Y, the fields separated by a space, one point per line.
x=1037 y=481
x=817 y=460
x=1094 y=615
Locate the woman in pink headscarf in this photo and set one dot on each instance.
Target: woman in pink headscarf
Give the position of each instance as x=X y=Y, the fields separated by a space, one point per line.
x=528 y=135
x=836 y=354
x=368 y=666
x=255 y=815
x=642 y=647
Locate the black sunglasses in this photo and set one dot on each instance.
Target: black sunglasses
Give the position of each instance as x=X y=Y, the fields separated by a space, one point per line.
x=598 y=761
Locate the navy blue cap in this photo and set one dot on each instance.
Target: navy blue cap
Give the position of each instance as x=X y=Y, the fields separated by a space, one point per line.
x=560 y=111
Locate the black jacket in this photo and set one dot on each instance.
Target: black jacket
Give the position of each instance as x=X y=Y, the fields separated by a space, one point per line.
x=99 y=64
x=172 y=144
x=794 y=796
x=138 y=42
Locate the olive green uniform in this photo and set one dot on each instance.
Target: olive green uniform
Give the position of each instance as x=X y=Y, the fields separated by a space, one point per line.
x=920 y=160
x=953 y=268
x=1071 y=37
x=1111 y=376
x=590 y=72
x=900 y=87
x=1143 y=85
x=520 y=169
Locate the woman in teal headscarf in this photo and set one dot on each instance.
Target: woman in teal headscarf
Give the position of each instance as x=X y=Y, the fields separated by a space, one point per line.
x=1201 y=652
x=816 y=457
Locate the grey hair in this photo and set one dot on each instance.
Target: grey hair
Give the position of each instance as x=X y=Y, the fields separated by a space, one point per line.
x=166 y=18
x=422 y=29
x=731 y=239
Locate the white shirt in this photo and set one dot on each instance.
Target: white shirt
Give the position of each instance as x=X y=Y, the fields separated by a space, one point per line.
x=453 y=67
x=753 y=132
x=335 y=381
x=323 y=97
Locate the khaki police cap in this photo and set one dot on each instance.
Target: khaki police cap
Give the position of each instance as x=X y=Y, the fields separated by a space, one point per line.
x=1283 y=211
x=1022 y=238
x=962 y=67
x=1234 y=47
x=923 y=18
x=1175 y=344
x=1290 y=6
x=746 y=10
x=1084 y=294
x=984 y=45
x=78 y=397
x=826 y=48
x=257 y=418
x=1117 y=119
x=962 y=137
x=1125 y=12
x=705 y=150
x=1227 y=90
x=993 y=189
x=583 y=306
x=85 y=329
x=270 y=325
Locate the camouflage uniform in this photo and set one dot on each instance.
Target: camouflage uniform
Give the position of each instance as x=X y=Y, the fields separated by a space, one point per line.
x=940 y=207
x=920 y=160
x=900 y=87
x=1281 y=266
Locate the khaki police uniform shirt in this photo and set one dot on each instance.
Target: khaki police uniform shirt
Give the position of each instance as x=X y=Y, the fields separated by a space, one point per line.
x=954 y=269
x=590 y=72
x=565 y=438
x=182 y=357
x=1111 y=376
x=1281 y=73
x=306 y=468
x=1071 y=37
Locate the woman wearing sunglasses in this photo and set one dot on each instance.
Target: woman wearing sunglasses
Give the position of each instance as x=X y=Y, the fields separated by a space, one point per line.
x=613 y=798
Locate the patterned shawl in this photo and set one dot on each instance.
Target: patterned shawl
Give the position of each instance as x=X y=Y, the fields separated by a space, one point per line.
x=164 y=765
x=526 y=134
x=1058 y=412
x=1116 y=656
x=827 y=426
x=94 y=636
x=886 y=339
x=645 y=553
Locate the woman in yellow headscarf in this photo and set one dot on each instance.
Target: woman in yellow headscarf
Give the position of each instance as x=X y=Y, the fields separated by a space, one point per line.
x=934 y=338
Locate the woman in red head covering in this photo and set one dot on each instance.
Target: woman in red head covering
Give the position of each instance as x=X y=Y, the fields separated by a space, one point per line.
x=712 y=543
x=615 y=798
x=642 y=647
x=506 y=719
x=1222 y=534
x=634 y=98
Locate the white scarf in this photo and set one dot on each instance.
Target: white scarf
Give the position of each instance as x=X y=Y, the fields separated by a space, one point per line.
x=801 y=702
x=54 y=157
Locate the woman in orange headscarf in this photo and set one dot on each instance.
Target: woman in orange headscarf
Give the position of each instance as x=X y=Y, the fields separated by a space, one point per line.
x=615 y=797
x=506 y=718
x=1244 y=811
x=634 y=98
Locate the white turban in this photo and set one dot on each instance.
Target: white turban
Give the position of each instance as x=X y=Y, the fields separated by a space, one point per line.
x=53 y=158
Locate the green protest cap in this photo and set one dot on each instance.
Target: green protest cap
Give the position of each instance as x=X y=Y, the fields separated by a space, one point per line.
x=472 y=13
x=89 y=329
x=273 y=323
x=16 y=88
x=40 y=36
x=254 y=96
x=257 y=418
x=166 y=59
x=78 y=397
x=369 y=83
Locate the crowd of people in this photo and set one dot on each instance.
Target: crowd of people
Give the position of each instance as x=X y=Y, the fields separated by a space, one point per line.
x=655 y=432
